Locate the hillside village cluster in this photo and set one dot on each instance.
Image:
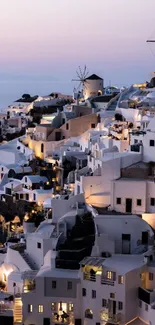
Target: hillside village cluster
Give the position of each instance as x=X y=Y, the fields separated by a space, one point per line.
x=77 y=204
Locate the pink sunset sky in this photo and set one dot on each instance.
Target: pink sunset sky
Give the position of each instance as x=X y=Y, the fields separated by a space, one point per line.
x=53 y=37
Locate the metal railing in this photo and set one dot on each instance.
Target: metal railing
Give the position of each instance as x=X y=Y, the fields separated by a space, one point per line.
x=89 y=277
x=107 y=281
x=29 y=288
x=114 y=318
x=5 y=307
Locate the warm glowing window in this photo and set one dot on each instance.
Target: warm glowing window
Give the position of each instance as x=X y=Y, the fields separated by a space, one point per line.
x=62 y=307
x=109 y=275
x=53 y=305
x=4 y=277
x=120 y=279
x=71 y=307
x=30 y=308
x=40 y=308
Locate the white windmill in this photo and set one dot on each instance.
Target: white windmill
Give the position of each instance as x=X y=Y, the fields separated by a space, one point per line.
x=82 y=80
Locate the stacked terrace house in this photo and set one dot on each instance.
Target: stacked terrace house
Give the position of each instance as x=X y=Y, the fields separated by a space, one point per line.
x=93 y=261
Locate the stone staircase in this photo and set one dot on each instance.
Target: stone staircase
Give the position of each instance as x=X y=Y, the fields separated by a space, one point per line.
x=28 y=261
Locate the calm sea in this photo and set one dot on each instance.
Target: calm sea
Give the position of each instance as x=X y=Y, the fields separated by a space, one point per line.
x=11 y=90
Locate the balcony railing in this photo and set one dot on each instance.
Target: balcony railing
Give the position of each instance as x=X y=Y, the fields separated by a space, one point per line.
x=89 y=277
x=66 y=318
x=115 y=319
x=28 y=288
x=107 y=282
x=6 y=308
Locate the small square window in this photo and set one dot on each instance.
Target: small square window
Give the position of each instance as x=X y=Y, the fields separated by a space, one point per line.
x=69 y=285
x=30 y=308
x=71 y=307
x=54 y=284
x=109 y=275
x=93 y=294
x=151 y=143
x=104 y=303
x=139 y=202
x=93 y=126
x=120 y=305
x=39 y=245
x=140 y=303
x=53 y=306
x=146 y=307
x=84 y=292
x=150 y=276
x=40 y=308
x=120 y=279
x=152 y=201
x=118 y=200
x=112 y=295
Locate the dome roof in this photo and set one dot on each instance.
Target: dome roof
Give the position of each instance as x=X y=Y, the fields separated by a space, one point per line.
x=94 y=77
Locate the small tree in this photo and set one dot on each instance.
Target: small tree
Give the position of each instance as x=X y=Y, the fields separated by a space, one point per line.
x=118 y=117
x=130 y=125
x=26 y=96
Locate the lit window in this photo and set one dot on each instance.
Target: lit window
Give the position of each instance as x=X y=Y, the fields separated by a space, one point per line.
x=120 y=279
x=30 y=308
x=112 y=295
x=71 y=307
x=89 y=314
x=151 y=276
x=40 y=308
x=4 y=277
x=109 y=275
x=54 y=306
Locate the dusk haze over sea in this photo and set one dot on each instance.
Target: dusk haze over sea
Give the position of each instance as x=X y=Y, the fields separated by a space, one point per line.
x=77 y=162
x=43 y=42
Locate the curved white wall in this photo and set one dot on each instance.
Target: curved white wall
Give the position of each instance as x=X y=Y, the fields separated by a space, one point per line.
x=92 y=87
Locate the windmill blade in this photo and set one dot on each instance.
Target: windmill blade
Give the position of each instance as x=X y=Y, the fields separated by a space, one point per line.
x=86 y=82
x=80 y=72
x=85 y=68
x=85 y=85
x=78 y=75
x=76 y=79
x=86 y=74
x=79 y=85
